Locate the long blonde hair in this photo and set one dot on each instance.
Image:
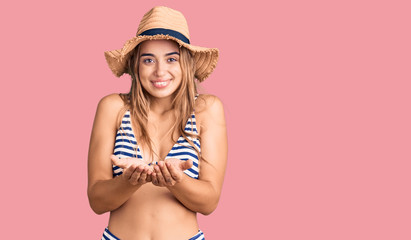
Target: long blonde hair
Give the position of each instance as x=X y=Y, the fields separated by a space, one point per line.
x=138 y=102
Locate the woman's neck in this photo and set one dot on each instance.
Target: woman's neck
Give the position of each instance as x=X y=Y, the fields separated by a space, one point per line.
x=161 y=106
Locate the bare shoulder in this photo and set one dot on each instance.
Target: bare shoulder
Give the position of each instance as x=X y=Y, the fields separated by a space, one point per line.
x=111 y=102
x=209 y=109
x=109 y=110
x=208 y=103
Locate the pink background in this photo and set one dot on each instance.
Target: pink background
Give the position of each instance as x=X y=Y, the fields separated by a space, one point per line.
x=317 y=99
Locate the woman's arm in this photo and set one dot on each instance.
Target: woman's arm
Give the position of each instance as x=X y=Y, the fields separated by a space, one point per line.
x=201 y=195
x=105 y=193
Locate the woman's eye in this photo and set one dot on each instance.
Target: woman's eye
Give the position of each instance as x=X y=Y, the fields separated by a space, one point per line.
x=172 y=60
x=148 y=60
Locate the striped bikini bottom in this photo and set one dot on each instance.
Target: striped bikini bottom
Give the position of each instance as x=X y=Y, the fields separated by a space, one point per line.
x=107 y=235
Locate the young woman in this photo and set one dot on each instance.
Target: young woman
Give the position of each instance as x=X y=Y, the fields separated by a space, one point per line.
x=158 y=154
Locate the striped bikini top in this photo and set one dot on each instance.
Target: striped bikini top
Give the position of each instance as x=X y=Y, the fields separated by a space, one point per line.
x=126 y=145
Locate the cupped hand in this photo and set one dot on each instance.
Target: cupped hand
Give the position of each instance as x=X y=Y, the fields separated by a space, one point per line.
x=135 y=171
x=170 y=171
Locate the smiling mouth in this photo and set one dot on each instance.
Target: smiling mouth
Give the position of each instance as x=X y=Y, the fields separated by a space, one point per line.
x=161 y=83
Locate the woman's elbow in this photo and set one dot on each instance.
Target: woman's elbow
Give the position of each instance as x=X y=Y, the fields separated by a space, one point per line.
x=96 y=209
x=98 y=205
x=208 y=208
x=210 y=203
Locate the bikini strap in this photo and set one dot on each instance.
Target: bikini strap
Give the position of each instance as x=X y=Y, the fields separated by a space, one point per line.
x=195 y=98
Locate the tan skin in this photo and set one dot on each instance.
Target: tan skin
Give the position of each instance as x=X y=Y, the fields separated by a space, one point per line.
x=161 y=202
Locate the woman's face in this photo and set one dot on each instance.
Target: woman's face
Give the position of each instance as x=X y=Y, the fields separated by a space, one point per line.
x=159 y=67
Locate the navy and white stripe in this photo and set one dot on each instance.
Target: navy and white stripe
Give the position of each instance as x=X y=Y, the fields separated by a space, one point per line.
x=107 y=235
x=184 y=151
x=198 y=236
x=126 y=145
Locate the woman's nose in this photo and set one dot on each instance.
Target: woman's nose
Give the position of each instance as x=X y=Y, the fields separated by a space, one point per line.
x=161 y=68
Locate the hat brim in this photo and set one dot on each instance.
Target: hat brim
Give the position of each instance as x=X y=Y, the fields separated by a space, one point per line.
x=205 y=58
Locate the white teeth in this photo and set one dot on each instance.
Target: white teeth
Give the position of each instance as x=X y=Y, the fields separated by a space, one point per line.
x=160 y=84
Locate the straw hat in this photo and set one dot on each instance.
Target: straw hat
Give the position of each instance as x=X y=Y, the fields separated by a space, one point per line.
x=164 y=23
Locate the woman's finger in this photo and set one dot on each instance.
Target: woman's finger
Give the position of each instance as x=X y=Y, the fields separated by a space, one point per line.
x=159 y=175
x=136 y=175
x=125 y=162
x=184 y=165
x=174 y=172
x=154 y=179
x=128 y=172
x=120 y=162
x=143 y=176
x=166 y=174
x=148 y=179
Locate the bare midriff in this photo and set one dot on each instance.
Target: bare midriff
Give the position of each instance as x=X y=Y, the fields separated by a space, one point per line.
x=153 y=213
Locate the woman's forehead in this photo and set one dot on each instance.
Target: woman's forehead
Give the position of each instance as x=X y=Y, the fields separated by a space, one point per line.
x=159 y=45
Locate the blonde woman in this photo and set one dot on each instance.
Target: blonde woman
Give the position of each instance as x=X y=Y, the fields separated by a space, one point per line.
x=158 y=154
